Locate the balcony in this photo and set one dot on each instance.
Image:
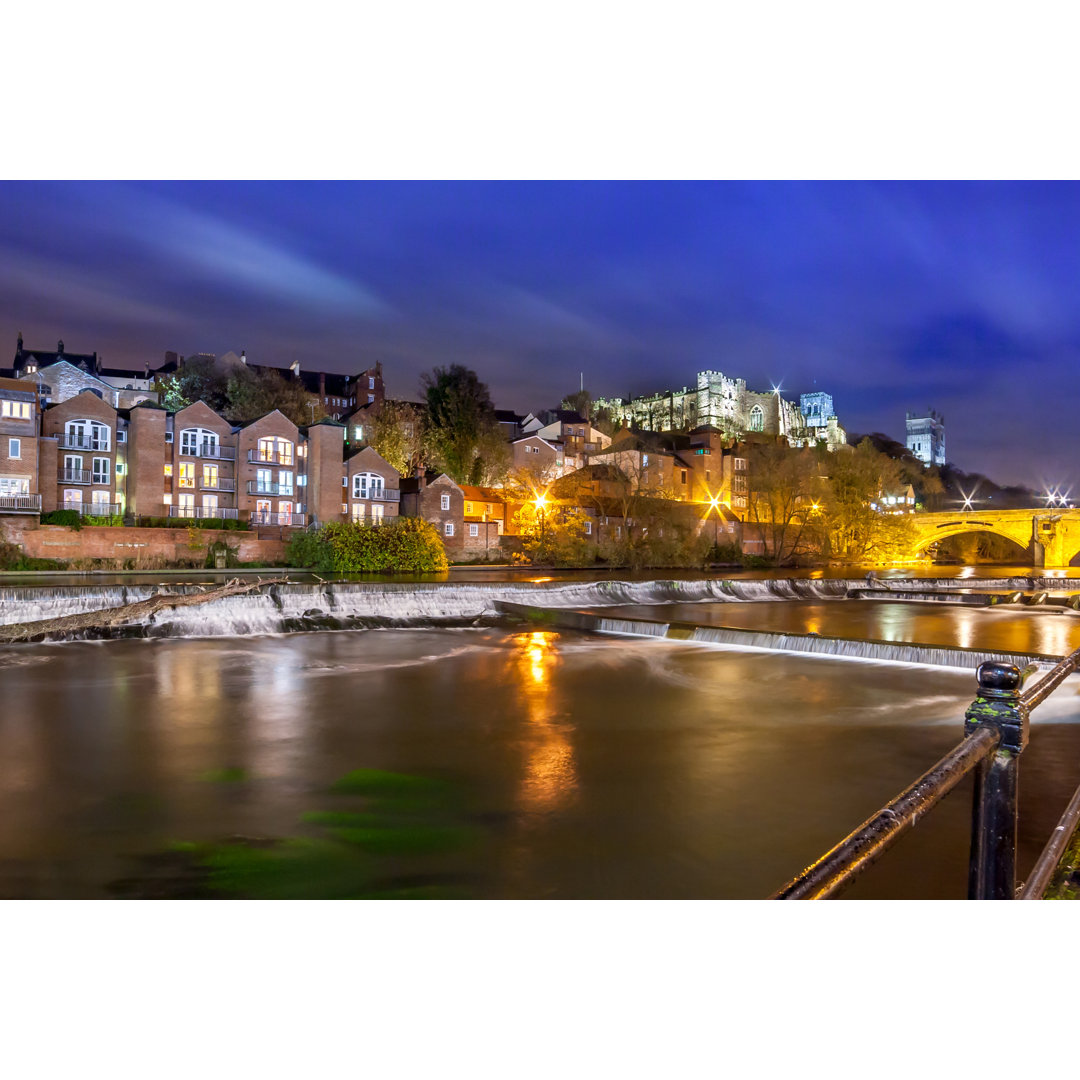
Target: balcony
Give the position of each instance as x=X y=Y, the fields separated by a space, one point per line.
x=263 y=517
x=208 y=450
x=93 y=509
x=256 y=488
x=230 y=513
x=76 y=476
x=272 y=458
x=20 y=504
x=84 y=442
x=220 y=484
x=378 y=494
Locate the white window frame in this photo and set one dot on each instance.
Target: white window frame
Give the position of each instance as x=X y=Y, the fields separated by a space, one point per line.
x=367 y=485
x=444 y=502
x=100 y=470
x=193 y=439
x=474 y=529
x=448 y=528
x=15 y=449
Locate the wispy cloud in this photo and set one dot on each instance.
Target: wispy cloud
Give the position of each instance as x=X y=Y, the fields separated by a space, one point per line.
x=235 y=257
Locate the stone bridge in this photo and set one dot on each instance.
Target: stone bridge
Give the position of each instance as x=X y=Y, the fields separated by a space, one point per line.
x=1050 y=537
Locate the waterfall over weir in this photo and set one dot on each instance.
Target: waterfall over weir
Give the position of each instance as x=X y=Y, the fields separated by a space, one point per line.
x=772 y=641
x=351 y=604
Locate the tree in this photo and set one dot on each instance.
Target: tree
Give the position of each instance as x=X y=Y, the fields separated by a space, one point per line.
x=783 y=496
x=398 y=433
x=581 y=403
x=465 y=439
x=239 y=394
x=199 y=379
x=251 y=394
x=856 y=528
x=554 y=534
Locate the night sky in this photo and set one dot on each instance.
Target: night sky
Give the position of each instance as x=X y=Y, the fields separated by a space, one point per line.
x=892 y=296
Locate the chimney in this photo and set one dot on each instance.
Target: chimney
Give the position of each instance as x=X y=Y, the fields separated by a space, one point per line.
x=294 y=367
x=322 y=384
x=60 y=347
x=243 y=356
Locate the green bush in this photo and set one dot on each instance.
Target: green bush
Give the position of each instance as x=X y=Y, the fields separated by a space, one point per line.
x=71 y=518
x=12 y=558
x=403 y=545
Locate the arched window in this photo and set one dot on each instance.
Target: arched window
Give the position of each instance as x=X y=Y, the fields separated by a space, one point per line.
x=367 y=486
x=757 y=418
x=196 y=441
x=86 y=435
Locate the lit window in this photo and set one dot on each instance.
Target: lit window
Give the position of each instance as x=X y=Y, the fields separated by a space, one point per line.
x=358 y=432
x=187 y=474
x=468 y=508
x=15 y=410
x=168 y=470
x=167 y=498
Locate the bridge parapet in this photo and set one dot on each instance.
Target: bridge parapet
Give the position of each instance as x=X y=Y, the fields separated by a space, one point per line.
x=1052 y=537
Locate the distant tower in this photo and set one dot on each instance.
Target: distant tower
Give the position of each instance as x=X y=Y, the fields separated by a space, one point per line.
x=926 y=436
x=816 y=408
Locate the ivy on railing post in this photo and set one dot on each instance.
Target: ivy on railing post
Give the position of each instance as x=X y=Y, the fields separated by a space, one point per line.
x=992 y=865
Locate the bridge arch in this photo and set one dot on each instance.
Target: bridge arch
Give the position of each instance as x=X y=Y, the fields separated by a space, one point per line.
x=1021 y=536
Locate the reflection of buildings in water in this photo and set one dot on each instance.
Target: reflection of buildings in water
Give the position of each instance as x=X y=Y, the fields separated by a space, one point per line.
x=188 y=676
x=550 y=773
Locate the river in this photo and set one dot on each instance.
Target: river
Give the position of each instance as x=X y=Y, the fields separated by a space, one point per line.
x=534 y=763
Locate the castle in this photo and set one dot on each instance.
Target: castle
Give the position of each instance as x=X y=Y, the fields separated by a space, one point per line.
x=725 y=404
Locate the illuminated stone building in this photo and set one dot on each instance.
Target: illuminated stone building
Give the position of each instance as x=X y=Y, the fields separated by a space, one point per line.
x=926 y=436
x=726 y=404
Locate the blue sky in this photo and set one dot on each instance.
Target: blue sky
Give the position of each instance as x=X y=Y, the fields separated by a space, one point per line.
x=892 y=296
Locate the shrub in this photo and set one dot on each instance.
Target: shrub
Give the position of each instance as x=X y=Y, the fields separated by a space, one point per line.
x=12 y=558
x=71 y=518
x=403 y=545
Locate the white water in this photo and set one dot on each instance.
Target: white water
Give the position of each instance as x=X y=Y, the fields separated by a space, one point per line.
x=344 y=604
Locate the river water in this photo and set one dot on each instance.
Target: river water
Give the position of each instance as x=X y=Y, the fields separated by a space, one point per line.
x=568 y=765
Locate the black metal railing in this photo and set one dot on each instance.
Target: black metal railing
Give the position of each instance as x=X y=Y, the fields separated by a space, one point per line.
x=996 y=727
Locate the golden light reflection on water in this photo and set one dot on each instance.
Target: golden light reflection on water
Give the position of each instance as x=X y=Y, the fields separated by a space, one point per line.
x=550 y=773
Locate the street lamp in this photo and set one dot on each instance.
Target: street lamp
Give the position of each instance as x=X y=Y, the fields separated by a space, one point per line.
x=541 y=501
x=714 y=503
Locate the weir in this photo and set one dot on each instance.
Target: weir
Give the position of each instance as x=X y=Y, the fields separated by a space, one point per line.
x=769 y=641
x=349 y=604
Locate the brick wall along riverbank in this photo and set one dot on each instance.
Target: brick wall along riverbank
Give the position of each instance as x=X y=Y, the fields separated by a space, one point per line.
x=126 y=544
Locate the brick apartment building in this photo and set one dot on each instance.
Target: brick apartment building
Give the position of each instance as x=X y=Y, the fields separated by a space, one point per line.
x=144 y=462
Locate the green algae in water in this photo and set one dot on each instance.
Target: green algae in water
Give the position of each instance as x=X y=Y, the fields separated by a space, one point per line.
x=377 y=851
x=230 y=775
